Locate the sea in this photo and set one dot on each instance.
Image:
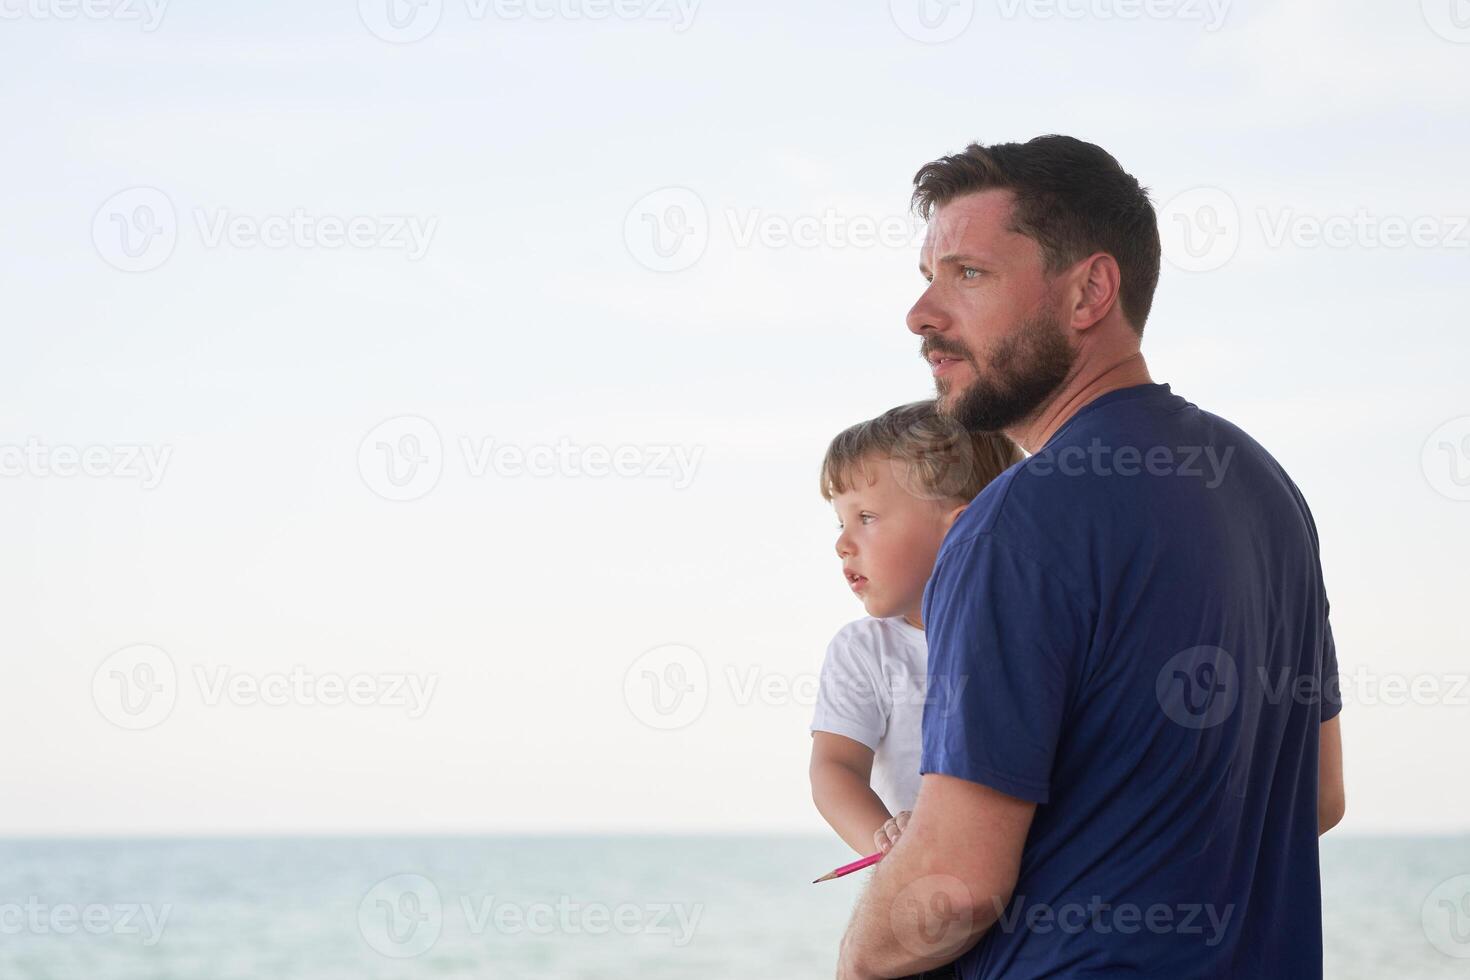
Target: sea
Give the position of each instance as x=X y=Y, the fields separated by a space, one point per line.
x=579 y=908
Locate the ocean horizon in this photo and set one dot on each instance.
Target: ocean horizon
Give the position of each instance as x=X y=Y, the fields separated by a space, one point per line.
x=565 y=906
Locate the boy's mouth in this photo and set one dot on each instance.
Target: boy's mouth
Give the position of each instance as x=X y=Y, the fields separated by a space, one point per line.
x=855 y=581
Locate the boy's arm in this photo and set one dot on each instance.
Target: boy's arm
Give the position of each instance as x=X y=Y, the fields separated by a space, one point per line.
x=841 y=768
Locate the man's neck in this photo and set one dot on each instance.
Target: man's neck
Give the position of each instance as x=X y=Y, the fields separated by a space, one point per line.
x=1082 y=387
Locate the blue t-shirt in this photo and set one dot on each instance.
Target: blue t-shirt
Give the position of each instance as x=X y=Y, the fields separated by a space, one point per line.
x=1129 y=629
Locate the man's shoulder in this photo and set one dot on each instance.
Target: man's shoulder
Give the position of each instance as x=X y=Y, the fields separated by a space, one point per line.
x=983 y=513
x=1107 y=467
x=1136 y=471
x=1020 y=497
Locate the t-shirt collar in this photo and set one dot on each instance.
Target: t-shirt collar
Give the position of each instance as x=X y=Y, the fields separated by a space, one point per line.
x=1109 y=398
x=904 y=626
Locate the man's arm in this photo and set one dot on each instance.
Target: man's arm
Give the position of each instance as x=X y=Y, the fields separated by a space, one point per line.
x=1331 y=794
x=944 y=883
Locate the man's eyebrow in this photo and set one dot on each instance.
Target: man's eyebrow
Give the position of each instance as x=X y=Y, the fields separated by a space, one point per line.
x=955 y=257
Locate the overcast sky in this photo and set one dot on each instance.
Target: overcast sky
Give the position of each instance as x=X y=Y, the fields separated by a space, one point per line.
x=394 y=399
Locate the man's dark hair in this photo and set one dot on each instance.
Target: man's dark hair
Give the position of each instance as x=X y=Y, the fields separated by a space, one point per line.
x=1072 y=197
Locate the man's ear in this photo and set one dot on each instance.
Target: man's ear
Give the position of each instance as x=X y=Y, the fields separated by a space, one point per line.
x=953 y=516
x=1098 y=289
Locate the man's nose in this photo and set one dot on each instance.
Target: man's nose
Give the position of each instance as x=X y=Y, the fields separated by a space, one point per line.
x=926 y=315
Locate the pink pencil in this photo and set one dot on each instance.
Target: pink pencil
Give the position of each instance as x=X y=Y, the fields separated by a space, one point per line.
x=848 y=869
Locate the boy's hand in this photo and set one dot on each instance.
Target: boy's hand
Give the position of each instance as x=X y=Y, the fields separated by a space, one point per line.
x=888 y=834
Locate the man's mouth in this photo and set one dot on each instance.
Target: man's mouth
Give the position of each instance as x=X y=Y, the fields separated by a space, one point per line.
x=940 y=363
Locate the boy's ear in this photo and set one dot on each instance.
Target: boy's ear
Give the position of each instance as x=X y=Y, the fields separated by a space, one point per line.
x=953 y=516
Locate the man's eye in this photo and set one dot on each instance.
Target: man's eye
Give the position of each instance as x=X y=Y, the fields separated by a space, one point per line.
x=966 y=273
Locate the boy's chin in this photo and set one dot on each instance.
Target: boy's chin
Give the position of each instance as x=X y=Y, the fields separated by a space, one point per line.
x=877 y=610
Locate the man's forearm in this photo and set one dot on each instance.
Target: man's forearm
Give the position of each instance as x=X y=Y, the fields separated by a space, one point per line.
x=942 y=885
x=912 y=917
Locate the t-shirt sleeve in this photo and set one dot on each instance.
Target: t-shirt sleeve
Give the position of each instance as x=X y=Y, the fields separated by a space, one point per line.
x=849 y=693
x=1005 y=640
x=1331 y=685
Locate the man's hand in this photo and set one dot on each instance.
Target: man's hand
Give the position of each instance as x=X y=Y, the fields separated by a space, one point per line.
x=887 y=835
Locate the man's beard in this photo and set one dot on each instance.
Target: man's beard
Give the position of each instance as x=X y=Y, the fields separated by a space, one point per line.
x=1025 y=369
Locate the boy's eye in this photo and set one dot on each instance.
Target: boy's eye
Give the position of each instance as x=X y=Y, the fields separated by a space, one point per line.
x=868 y=518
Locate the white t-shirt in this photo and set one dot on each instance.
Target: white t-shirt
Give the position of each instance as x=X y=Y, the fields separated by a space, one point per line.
x=872 y=691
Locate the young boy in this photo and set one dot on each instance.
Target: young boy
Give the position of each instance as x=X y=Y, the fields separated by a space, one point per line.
x=897 y=483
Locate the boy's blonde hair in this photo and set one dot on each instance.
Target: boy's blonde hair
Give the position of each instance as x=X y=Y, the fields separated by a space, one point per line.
x=937 y=457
